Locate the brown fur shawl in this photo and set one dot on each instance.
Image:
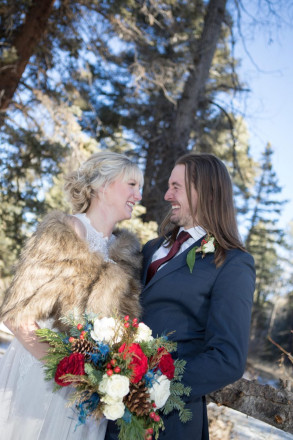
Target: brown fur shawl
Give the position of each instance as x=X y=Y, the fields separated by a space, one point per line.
x=57 y=273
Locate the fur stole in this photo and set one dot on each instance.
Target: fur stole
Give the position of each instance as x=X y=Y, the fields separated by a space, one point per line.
x=57 y=273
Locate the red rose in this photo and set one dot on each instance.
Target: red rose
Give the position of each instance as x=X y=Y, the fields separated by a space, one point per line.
x=166 y=364
x=73 y=364
x=139 y=361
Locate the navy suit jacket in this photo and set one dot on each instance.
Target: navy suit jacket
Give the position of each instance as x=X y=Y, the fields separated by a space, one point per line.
x=209 y=310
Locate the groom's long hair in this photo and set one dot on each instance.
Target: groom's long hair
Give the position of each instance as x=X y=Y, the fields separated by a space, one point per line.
x=215 y=211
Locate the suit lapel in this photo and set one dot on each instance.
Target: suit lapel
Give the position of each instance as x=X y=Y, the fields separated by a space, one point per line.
x=148 y=259
x=172 y=265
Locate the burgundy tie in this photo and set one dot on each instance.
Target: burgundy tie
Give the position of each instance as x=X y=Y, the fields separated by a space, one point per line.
x=153 y=267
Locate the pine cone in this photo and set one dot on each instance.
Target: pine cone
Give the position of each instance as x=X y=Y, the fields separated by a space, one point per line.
x=83 y=346
x=138 y=399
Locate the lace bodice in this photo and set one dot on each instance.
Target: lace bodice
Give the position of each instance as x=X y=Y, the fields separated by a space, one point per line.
x=97 y=242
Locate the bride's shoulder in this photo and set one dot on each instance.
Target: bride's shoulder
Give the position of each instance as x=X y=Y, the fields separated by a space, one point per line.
x=58 y=223
x=78 y=226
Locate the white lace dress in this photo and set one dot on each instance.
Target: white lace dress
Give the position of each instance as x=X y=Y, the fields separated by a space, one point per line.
x=29 y=410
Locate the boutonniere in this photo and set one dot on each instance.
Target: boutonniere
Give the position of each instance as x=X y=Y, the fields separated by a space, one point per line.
x=207 y=245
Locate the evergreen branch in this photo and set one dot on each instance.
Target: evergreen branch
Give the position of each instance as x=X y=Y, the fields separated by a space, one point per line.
x=178 y=389
x=95 y=376
x=133 y=430
x=53 y=338
x=163 y=341
x=149 y=348
x=175 y=402
x=179 y=369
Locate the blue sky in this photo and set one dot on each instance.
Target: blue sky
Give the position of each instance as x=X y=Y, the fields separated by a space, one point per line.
x=269 y=105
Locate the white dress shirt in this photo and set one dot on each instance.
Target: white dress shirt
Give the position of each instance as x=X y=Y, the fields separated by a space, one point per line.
x=196 y=233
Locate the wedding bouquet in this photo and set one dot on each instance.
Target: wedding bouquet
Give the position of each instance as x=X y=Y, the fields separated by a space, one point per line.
x=119 y=371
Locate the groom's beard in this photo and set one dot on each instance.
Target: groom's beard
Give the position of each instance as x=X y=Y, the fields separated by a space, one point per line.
x=184 y=221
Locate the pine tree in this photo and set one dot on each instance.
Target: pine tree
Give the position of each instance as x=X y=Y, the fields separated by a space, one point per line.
x=123 y=67
x=264 y=234
x=148 y=71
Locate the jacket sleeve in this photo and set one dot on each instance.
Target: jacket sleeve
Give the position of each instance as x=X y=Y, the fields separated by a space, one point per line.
x=227 y=331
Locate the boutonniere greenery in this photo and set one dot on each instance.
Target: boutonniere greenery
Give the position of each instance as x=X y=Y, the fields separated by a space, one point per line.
x=207 y=245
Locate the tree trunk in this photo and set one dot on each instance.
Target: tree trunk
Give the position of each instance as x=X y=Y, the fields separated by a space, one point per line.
x=263 y=402
x=25 y=41
x=173 y=142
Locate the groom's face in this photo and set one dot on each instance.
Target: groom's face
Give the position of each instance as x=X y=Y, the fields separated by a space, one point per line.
x=177 y=197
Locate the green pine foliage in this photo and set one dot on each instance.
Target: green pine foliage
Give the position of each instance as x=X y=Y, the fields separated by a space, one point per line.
x=178 y=390
x=264 y=235
x=179 y=368
x=132 y=430
x=95 y=376
x=72 y=319
x=150 y=348
x=175 y=402
x=163 y=341
x=112 y=86
x=56 y=340
x=136 y=429
x=57 y=351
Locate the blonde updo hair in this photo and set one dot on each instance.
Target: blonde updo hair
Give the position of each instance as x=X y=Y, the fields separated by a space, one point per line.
x=99 y=170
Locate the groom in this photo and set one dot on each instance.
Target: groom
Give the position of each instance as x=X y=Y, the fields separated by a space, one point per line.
x=206 y=301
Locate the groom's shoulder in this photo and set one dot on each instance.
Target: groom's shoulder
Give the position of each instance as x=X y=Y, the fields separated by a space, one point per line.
x=239 y=254
x=151 y=244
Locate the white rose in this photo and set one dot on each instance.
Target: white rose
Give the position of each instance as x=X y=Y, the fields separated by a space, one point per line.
x=109 y=400
x=144 y=333
x=209 y=246
x=114 y=411
x=116 y=386
x=160 y=390
x=103 y=383
x=106 y=329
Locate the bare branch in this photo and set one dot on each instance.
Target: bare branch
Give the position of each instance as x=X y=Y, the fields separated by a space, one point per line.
x=289 y=355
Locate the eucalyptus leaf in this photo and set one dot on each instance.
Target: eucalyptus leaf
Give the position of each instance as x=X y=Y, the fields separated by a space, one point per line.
x=190 y=259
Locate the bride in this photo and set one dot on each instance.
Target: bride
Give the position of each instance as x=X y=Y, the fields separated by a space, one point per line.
x=72 y=262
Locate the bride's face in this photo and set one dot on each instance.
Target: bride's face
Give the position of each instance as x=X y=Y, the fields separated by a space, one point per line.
x=120 y=197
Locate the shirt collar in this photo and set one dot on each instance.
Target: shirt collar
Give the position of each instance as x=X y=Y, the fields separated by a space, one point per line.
x=196 y=232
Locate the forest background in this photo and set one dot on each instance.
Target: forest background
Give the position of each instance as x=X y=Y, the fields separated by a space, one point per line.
x=153 y=79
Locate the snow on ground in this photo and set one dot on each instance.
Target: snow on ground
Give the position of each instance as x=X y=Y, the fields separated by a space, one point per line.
x=243 y=427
